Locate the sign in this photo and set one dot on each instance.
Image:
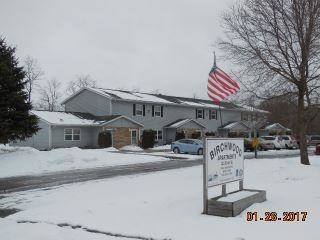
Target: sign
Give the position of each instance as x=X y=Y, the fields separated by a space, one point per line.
x=255 y=142
x=224 y=160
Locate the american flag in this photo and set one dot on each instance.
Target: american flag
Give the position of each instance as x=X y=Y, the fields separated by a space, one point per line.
x=220 y=85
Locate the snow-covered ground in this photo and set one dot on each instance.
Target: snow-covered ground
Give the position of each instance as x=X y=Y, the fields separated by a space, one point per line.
x=17 y=161
x=168 y=205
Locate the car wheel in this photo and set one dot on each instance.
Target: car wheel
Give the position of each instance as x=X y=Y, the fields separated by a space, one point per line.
x=176 y=150
x=200 y=151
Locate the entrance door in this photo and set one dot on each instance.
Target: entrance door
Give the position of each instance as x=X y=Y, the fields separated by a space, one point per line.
x=134 y=137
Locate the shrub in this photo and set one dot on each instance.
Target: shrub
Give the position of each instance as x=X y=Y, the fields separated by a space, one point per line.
x=210 y=134
x=147 y=139
x=105 y=139
x=196 y=135
x=180 y=135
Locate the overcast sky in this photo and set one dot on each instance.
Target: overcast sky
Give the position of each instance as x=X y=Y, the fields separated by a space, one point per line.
x=148 y=45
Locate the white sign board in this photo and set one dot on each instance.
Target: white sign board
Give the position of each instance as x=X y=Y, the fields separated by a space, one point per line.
x=224 y=160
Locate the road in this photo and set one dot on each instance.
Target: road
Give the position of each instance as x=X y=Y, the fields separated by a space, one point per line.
x=22 y=183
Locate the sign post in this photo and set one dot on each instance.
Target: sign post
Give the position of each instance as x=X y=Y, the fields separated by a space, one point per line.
x=224 y=163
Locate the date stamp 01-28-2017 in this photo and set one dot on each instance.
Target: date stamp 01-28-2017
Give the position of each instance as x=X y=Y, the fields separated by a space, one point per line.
x=274 y=216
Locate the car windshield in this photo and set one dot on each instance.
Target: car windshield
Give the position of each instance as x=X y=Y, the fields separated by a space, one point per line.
x=197 y=141
x=315 y=137
x=268 y=138
x=285 y=138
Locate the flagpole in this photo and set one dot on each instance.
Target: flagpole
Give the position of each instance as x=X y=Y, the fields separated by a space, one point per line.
x=220 y=112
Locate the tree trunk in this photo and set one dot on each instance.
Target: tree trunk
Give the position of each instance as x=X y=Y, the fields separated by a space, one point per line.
x=304 y=159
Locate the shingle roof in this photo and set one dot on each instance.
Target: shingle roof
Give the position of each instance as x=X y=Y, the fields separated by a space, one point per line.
x=160 y=99
x=181 y=122
x=74 y=118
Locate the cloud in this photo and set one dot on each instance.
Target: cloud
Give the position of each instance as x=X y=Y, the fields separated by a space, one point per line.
x=145 y=44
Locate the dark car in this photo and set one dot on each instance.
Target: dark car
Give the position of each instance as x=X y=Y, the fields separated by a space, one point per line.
x=317 y=152
x=314 y=140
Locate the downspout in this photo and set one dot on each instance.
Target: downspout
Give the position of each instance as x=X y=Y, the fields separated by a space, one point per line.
x=50 y=137
x=110 y=110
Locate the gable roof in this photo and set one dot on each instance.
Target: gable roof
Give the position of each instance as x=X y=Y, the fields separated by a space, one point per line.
x=180 y=122
x=275 y=126
x=77 y=118
x=133 y=96
x=232 y=125
x=66 y=118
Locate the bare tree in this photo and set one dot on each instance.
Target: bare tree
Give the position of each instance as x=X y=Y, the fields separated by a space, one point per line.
x=50 y=95
x=81 y=82
x=33 y=74
x=277 y=45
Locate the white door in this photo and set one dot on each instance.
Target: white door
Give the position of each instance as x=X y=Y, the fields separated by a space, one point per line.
x=134 y=136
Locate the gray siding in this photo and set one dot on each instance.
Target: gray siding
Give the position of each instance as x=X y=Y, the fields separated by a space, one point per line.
x=86 y=137
x=122 y=122
x=171 y=114
x=89 y=102
x=40 y=140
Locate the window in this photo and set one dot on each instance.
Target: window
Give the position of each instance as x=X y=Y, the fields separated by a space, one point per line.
x=139 y=110
x=158 y=135
x=157 y=111
x=72 y=134
x=200 y=113
x=213 y=114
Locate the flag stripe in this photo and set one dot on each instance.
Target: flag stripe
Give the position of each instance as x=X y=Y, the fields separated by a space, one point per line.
x=214 y=83
x=220 y=85
x=216 y=93
x=225 y=83
x=226 y=77
x=214 y=98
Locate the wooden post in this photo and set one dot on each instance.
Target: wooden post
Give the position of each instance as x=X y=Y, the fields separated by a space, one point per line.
x=224 y=190
x=205 y=178
x=241 y=185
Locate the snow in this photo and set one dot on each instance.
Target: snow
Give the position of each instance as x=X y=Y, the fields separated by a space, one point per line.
x=162 y=147
x=231 y=125
x=179 y=123
x=236 y=196
x=63 y=118
x=169 y=204
x=132 y=148
x=17 y=161
x=200 y=104
x=133 y=96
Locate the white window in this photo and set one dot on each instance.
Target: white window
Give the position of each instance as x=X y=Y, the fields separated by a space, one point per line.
x=134 y=137
x=200 y=113
x=213 y=114
x=157 y=111
x=72 y=134
x=158 y=135
x=139 y=109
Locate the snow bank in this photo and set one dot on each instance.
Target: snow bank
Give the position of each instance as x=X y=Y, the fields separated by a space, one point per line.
x=131 y=148
x=17 y=161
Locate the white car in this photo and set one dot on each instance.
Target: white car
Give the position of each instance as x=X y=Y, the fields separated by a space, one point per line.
x=289 y=142
x=272 y=142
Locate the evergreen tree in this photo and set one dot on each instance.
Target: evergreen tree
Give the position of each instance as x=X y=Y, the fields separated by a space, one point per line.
x=15 y=121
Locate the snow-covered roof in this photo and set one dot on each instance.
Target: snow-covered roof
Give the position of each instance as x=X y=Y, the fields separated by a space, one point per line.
x=276 y=126
x=78 y=119
x=181 y=122
x=234 y=124
x=64 y=118
x=160 y=99
x=252 y=109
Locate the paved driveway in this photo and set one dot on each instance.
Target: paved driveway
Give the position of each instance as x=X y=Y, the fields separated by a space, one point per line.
x=22 y=183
